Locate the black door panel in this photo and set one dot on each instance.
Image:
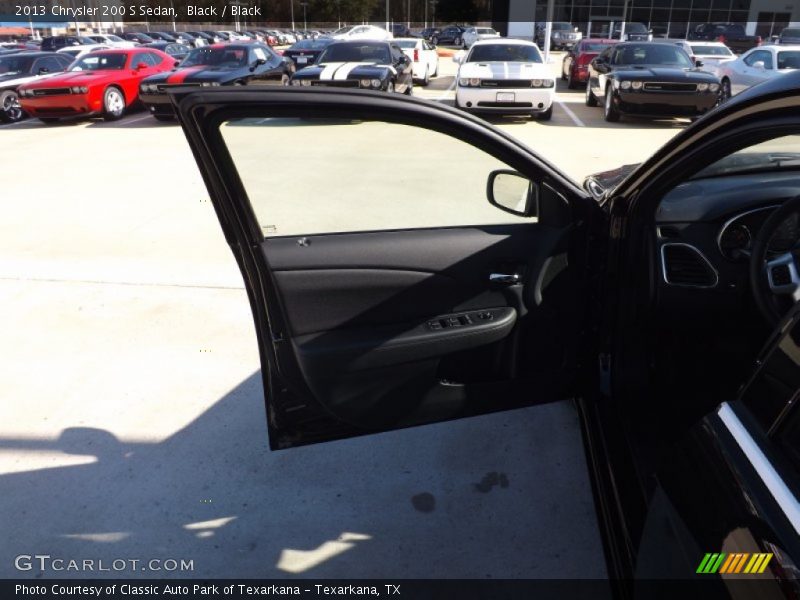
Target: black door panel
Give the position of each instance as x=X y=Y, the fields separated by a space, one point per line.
x=379 y=329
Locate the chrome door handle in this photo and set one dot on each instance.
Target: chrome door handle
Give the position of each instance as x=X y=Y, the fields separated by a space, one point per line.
x=504 y=278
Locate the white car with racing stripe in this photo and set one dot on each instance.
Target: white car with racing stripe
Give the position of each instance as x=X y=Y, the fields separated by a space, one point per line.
x=505 y=76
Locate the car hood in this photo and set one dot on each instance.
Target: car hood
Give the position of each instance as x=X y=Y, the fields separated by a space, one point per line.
x=78 y=78
x=504 y=70
x=665 y=74
x=343 y=70
x=199 y=73
x=12 y=79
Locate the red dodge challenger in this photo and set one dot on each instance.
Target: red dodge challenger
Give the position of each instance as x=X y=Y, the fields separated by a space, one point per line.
x=575 y=67
x=101 y=83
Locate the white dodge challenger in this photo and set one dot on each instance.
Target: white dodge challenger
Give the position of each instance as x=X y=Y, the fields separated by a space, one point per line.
x=504 y=76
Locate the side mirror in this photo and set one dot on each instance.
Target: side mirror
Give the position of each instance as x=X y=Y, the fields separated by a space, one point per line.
x=43 y=70
x=759 y=64
x=698 y=63
x=513 y=192
x=177 y=63
x=141 y=66
x=261 y=61
x=459 y=56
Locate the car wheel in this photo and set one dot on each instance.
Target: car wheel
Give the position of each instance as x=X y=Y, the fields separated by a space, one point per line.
x=409 y=88
x=570 y=81
x=725 y=91
x=563 y=77
x=113 y=104
x=427 y=78
x=10 y=110
x=284 y=79
x=435 y=41
x=390 y=88
x=610 y=111
x=546 y=115
x=591 y=100
x=436 y=69
x=457 y=41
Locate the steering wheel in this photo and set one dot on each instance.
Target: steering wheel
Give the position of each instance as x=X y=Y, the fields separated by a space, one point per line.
x=775 y=280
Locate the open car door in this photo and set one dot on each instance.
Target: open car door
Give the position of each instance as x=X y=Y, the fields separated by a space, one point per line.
x=405 y=262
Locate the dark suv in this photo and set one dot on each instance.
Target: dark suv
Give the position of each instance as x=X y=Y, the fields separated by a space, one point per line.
x=452 y=35
x=56 y=42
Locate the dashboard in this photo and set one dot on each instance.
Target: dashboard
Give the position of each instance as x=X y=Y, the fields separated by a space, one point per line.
x=705 y=229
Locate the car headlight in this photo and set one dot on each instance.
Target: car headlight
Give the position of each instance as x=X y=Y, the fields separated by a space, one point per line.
x=365 y=83
x=713 y=87
x=625 y=85
x=305 y=82
x=376 y=83
x=615 y=84
x=295 y=82
x=702 y=87
x=637 y=85
x=78 y=90
x=474 y=81
x=556 y=34
x=209 y=84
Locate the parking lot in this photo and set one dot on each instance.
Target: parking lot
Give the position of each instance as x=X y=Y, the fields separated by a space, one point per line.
x=133 y=423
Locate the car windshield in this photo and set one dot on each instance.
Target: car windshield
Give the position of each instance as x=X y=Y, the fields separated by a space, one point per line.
x=374 y=53
x=100 y=62
x=594 y=47
x=406 y=43
x=635 y=28
x=652 y=54
x=10 y=65
x=773 y=155
x=561 y=26
x=226 y=56
x=343 y=30
x=485 y=31
x=710 y=50
x=310 y=45
x=789 y=60
x=86 y=40
x=505 y=53
x=114 y=38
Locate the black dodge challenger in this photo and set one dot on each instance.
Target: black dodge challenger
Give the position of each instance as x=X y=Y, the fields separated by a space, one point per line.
x=360 y=64
x=649 y=79
x=216 y=65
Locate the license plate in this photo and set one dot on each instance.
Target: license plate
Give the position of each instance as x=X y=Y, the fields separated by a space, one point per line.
x=505 y=97
x=301 y=60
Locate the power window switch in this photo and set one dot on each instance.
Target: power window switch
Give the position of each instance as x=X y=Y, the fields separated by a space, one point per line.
x=453 y=322
x=434 y=325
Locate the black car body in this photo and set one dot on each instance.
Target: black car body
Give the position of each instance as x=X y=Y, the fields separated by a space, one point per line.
x=625 y=303
x=53 y=43
x=162 y=36
x=306 y=52
x=359 y=64
x=451 y=36
x=651 y=79
x=429 y=33
x=20 y=68
x=212 y=66
x=732 y=35
x=175 y=49
x=634 y=32
x=138 y=37
x=202 y=34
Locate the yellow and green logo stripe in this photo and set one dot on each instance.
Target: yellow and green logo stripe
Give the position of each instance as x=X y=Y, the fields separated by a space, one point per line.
x=735 y=562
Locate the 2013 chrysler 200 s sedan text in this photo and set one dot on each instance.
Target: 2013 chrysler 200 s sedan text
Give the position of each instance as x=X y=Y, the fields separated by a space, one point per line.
x=516 y=287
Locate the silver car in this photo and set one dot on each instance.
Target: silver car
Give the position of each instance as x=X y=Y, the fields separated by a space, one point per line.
x=755 y=66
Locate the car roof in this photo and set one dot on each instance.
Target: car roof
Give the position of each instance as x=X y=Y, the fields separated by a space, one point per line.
x=504 y=41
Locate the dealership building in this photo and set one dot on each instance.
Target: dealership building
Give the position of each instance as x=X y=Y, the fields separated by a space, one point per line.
x=667 y=18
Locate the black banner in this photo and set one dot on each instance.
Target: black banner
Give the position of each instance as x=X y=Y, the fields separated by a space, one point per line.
x=418 y=589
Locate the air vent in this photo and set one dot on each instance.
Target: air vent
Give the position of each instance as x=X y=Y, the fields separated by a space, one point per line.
x=668 y=231
x=685 y=265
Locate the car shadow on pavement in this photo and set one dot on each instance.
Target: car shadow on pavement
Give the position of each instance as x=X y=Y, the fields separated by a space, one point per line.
x=213 y=493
